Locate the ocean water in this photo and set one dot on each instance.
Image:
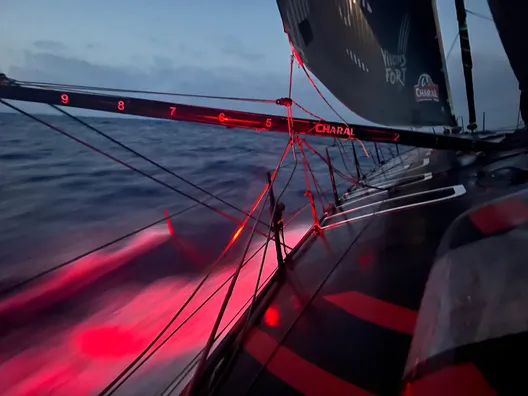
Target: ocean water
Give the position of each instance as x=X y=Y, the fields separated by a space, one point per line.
x=59 y=200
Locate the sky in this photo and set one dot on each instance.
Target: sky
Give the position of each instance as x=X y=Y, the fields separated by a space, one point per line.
x=218 y=47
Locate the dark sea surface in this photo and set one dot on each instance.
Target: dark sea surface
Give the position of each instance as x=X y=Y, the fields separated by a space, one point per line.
x=59 y=200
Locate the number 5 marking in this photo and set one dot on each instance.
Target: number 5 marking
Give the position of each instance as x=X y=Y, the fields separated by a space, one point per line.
x=268 y=123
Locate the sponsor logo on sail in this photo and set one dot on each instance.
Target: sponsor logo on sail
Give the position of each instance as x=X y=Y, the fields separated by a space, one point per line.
x=396 y=63
x=395 y=67
x=426 y=90
x=334 y=130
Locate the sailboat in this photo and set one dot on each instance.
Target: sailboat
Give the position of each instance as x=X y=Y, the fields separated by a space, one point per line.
x=413 y=281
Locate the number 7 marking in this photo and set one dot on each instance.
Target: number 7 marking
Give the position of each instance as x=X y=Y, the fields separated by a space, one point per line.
x=173 y=109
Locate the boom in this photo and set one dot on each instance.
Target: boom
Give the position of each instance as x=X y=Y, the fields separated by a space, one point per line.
x=238 y=119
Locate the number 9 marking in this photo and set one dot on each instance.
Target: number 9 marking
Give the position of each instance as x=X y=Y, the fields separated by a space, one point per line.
x=64 y=99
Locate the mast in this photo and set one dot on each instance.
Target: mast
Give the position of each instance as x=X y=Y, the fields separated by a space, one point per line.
x=443 y=57
x=467 y=62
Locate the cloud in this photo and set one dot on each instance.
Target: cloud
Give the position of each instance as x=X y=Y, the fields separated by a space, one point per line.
x=163 y=75
x=194 y=53
x=495 y=86
x=50 y=45
x=232 y=46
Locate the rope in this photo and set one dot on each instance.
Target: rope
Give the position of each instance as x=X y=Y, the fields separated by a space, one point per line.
x=173 y=384
x=305 y=307
x=147 y=357
x=64 y=133
x=73 y=260
x=92 y=88
x=212 y=335
x=156 y=164
x=479 y=15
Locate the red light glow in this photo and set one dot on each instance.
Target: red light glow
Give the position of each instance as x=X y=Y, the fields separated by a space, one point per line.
x=366 y=259
x=110 y=342
x=272 y=317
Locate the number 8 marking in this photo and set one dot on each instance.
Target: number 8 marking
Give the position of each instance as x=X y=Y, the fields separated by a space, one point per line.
x=121 y=105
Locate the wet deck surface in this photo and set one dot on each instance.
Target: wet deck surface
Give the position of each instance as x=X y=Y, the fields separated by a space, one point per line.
x=343 y=321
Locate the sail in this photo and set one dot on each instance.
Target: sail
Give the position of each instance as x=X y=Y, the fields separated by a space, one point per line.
x=510 y=18
x=381 y=58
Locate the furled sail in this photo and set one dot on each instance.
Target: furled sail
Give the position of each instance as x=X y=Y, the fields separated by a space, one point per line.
x=381 y=58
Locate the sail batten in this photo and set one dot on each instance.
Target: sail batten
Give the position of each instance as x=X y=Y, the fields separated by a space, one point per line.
x=381 y=58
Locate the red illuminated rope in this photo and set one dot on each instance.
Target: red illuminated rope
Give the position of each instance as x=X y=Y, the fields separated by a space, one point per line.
x=191 y=315
x=307 y=169
x=114 y=385
x=312 y=82
x=205 y=353
x=212 y=334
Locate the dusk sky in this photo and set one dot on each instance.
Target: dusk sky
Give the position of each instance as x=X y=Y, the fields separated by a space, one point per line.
x=226 y=47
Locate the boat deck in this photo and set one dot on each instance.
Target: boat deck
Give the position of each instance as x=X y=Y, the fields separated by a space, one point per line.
x=342 y=322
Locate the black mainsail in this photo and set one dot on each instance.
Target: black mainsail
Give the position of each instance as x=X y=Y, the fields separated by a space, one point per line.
x=381 y=58
x=510 y=18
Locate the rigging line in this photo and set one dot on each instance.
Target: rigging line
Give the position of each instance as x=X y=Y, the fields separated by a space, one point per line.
x=479 y=15
x=312 y=82
x=195 y=291
x=316 y=185
x=109 y=389
x=362 y=183
x=305 y=307
x=187 y=369
x=64 y=133
x=306 y=111
x=352 y=180
x=156 y=164
x=452 y=45
x=73 y=260
x=91 y=88
x=158 y=347
x=225 y=302
x=244 y=330
x=291 y=143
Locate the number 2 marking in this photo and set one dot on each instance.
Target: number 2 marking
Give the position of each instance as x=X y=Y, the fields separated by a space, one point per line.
x=121 y=105
x=173 y=109
x=64 y=99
